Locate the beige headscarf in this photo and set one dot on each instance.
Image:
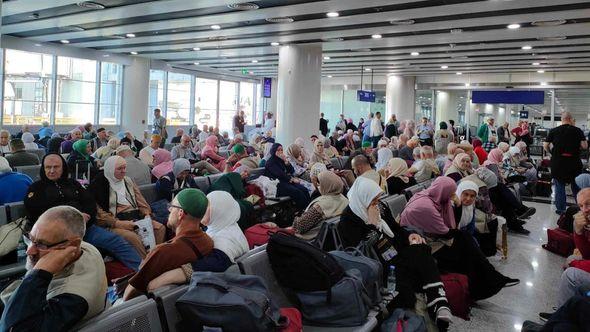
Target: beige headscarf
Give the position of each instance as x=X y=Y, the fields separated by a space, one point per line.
x=456 y=166
x=398 y=167
x=332 y=202
x=319 y=157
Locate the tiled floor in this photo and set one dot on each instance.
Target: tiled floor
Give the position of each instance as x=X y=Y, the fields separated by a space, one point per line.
x=538 y=270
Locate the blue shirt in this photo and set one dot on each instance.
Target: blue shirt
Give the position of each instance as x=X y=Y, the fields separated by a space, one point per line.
x=18 y=183
x=424 y=131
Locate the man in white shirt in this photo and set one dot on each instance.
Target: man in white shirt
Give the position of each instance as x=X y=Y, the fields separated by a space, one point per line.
x=146 y=154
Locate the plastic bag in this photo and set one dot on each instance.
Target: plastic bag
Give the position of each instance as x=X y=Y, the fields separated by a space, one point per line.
x=146 y=233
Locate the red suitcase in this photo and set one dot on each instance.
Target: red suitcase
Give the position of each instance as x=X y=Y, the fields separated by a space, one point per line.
x=258 y=235
x=457 y=289
x=560 y=242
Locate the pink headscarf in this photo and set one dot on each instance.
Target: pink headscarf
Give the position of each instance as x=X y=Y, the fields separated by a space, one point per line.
x=521 y=145
x=163 y=163
x=494 y=157
x=431 y=210
x=210 y=146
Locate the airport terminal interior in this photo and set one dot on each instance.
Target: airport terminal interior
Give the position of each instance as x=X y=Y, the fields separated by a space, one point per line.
x=295 y=165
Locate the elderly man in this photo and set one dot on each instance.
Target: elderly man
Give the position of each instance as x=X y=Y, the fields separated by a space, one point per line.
x=185 y=150
x=487 y=130
x=65 y=282
x=66 y=146
x=362 y=167
x=504 y=133
x=19 y=156
x=139 y=172
x=178 y=137
x=100 y=140
x=146 y=154
x=407 y=152
x=189 y=244
x=4 y=140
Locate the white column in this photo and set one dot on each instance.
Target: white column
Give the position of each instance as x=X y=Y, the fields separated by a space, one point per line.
x=400 y=97
x=136 y=81
x=298 y=92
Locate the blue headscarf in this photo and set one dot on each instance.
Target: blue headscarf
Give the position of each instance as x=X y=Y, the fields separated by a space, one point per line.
x=583 y=181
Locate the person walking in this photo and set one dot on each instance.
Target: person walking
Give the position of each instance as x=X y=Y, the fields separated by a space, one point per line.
x=159 y=126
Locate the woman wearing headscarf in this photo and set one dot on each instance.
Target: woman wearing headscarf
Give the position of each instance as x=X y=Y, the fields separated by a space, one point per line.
x=267 y=155
x=410 y=129
x=278 y=167
x=482 y=155
x=384 y=155
x=255 y=143
x=464 y=209
x=442 y=138
x=319 y=156
x=295 y=157
x=55 y=188
x=503 y=146
x=330 y=204
x=397 y=176
x=431 y=212
x=172 y=183
x=330 y=151
x=163 y=163
x=494 y=163
x=233 y=183
x=415 y=268
x=120 y=203
x=104 y=152
x=29 y=141
x=81 y=161
x=17 y=182
x=210 y=153
x=460 y=168
x=305 y=154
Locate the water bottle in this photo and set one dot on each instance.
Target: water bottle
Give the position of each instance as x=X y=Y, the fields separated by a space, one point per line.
x=391 y=280
x=21 y=251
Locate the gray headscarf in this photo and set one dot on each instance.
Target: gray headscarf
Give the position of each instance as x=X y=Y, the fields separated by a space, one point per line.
x=583 y=181
x=180 y=165
x=487 y=176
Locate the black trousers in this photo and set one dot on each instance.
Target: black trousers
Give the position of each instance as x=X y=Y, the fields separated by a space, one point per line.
x=505 y=201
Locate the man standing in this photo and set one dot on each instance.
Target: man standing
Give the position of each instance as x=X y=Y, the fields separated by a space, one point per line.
x=323 y=125
x=159 y=126
x=504 y=133
x=239 y=121
x=376 y=129
x=341 y=125
x=486 y=130
x=563 y=144
x=425 y=132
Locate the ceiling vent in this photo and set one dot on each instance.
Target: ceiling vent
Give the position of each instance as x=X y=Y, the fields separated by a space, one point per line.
x=402 y=22
x=90 y=5
x=556 y=38
x=457 y=30
x=72 y=28
x=243 y=6
x=552 y=23
x=217 y=38
x=361 y=50
x=333 y=39
x=280 y=19
x=115 y=37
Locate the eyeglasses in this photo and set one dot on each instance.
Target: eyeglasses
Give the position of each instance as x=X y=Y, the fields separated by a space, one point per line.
x=173 y=206
x=41 y=246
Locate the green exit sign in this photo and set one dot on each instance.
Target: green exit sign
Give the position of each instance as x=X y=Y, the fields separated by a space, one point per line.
x=244 y=71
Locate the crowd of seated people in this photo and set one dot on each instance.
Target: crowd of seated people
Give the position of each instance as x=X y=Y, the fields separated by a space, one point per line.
x=434 y=234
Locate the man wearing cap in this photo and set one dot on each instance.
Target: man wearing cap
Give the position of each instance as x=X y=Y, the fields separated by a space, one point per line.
x=138 y=171
x=487 y=130
x=189 y=244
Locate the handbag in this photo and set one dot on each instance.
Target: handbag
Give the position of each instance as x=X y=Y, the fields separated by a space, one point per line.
x=10 y=235
x=129 y=215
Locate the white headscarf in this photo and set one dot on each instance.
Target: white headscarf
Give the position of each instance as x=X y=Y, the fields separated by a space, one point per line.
x=118 y=186
x=223 y=227
x=29 y=141
x=4 y=166
x=267 y=148
x=360 y=196
x=383 y=157
x=466 y=211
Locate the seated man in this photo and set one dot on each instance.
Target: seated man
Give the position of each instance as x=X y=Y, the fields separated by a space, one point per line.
x=185 y=150
x=146 y=154
x=362 y=167
x=425 y=167
x=17 y=182
x=65 y=282
x=189 y=244
x=19 y=156
x=139 y=172
x=176 y=139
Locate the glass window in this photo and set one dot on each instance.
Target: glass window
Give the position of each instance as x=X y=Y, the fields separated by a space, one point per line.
x=206 y=102
x=111 y=76
x=27 y=87
x=228 y=105
x=247 y=100
x=76 y=91
x=156 y=93
x=178 y=99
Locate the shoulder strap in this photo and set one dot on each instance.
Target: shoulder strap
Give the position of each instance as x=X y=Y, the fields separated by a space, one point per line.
x=192 y=245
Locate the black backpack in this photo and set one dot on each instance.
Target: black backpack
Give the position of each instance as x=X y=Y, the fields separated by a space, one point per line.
x=301 y=266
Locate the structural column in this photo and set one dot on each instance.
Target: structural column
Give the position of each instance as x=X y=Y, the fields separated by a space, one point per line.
x=400 y=97
x=136 y=87
x=298 y=92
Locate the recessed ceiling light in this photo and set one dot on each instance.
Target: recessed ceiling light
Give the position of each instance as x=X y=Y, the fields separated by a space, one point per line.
x=274 y=44
x=513 y=26
x=243 y=6
x=543 y=83
x=38 y=45
x=444 y=67
x=333 y=14
x=527 y=47
x=215 y=27
x=459 y=73
x=90 y=5
x=467 y=84
x=254 y=61
x=402 y=22
x=196 y=48
x=329 y=76
x=280 y=20
x=540 y=71
x=64 y=41
x=133 y=53
x=368 y=69
x=415 y=53
x=535 y=63
x=106 y=55
x=376 y=36
x=196 y=63
x=130 y=35
x=326 y=58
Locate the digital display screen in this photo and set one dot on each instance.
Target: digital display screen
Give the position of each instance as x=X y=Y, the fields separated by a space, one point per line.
x=523 y=114
x=267 y=91
x=366 y=96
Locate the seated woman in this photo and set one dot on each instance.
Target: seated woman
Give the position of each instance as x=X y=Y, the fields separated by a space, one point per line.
x=515 y=163
x=163 y=164
x=278 y=167
x=319 y=156
x=464 y=207
x=56 y=188
x=460 y=168
x=494 y=163
x=104 y=152
x=384 y=155
x=431 y=212
x=330 y=204
x=330 y=150
x=305 y=154
x=300 y=167
x=415 y=269
x=172 y=183
x=209 y=153
x=426 y=168
x=482 y=155
x=81 y=161
x=120 y=203
x=29 y=140
x=397 y=176
x=233 y=183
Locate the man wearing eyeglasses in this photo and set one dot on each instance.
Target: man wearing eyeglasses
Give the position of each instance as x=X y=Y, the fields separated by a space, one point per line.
x=189 y=244
x=65 y=280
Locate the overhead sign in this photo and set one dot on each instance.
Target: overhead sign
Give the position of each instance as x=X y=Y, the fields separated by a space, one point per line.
x=366 y=96
x=267 y=89
x=523 y=114
x=508 y=97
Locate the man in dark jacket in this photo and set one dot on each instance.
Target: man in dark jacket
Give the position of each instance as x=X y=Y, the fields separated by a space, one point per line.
x=19 y=156
x=323 y=125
